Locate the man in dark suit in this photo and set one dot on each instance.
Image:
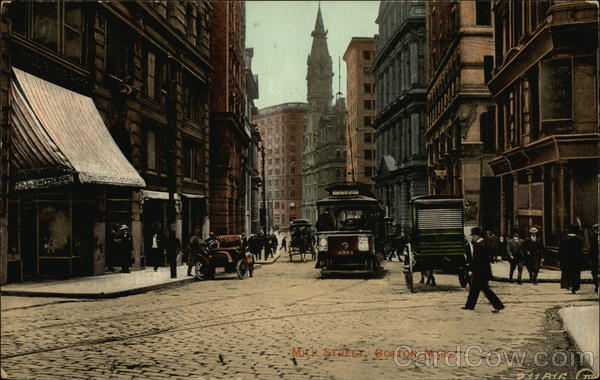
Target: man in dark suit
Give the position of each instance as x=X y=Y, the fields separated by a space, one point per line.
x=534 y=250
x=570 y=254
x=516 y=256
x=482 y=273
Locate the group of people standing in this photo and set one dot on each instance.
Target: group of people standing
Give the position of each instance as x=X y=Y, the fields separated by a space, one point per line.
x=526 y=253
x=264 y=242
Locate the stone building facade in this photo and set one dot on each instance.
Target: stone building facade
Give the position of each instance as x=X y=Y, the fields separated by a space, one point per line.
x=545 y=83
x=399 y=69
x=252 y=165
x=360 y=102
x=149 y=91
x=230 y=131
x=323 y=148
x=282 y=129
x=460 y=120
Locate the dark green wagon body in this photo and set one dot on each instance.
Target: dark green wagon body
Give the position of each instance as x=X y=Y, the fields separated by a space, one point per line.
x=437 y=236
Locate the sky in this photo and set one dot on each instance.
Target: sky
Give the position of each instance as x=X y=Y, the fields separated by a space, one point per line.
x=279 y=32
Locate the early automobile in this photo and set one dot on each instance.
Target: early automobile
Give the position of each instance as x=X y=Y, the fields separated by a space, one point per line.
x=349 y=230
x=437 y=239
x=227 y=255
x=302 y=235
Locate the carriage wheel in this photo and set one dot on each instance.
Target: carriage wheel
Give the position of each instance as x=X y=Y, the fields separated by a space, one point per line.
x=408 y=270
x=242 y=269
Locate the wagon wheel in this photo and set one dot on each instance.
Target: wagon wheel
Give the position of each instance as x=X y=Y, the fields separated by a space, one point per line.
x=408 y=269
x=463 y=276
x=242 y=269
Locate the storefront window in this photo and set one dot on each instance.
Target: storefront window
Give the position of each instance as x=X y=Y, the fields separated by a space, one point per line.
x=55 y=229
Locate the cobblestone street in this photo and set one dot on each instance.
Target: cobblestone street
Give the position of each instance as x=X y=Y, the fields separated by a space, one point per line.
x=286 y=322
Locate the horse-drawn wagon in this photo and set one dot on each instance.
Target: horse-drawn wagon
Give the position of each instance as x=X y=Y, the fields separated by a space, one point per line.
x=302 y=235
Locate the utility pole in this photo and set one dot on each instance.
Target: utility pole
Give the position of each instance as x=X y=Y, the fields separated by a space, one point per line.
x=263 y=210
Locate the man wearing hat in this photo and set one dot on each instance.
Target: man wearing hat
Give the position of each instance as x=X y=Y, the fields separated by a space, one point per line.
x=125 y=248
x=482 y=273
x=534 y=250
x=516 y=256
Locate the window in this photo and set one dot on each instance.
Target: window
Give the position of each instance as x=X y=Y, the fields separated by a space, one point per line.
x=45 y=24
x=73 y=38
x=367 y=120
x=157 y=151
x=194 y=99
x=368 y=171
x=292 y=194
x=156 y=77
x=367 y=70
x=368 y=154
x=193 y=161
x=483 y=12
x=368 y=137
x=367 y=104
x=151 y=150
x=150 y=75
x=367 y=54
x=488 y=64
x=58 y=26
x=367 y=87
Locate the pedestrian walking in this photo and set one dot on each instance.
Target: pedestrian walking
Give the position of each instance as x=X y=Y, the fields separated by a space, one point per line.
x=195 y=249
x=516 y=256
x=570 y=254
x=125 y=248
x=283 y=244
x=254 y=245
x=494 y=243
x=482 y=273
x=534 y=250
x=173 y=246
x=594 y=255
x=156 y=245
x=274 y=243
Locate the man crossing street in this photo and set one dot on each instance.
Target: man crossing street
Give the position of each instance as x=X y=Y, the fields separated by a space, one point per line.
x=482 y=273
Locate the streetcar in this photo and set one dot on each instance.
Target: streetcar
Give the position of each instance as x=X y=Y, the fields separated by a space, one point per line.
x=350 y=230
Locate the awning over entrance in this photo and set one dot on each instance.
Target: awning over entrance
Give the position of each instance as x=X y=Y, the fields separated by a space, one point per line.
x=58 y=137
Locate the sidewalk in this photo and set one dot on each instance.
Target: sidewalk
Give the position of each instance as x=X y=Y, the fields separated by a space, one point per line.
x=500 y=272
x=106 y=286
x=581 y=322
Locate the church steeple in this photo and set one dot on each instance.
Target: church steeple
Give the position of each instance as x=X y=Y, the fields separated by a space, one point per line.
x=319 y=74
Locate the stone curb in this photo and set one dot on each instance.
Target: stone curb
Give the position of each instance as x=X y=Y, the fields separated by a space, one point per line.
x=269 y=262
x=572 y=325
x=120 y=293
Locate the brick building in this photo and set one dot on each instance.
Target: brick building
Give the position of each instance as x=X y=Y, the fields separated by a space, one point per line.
x=460 y=119
x=282 y=129
x=399 y=69
x=360 y=102
x=230 y=131
x=545 y=85
x=118 y=114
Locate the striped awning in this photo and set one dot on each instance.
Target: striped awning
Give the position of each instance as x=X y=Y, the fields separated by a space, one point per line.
x=58 y=137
